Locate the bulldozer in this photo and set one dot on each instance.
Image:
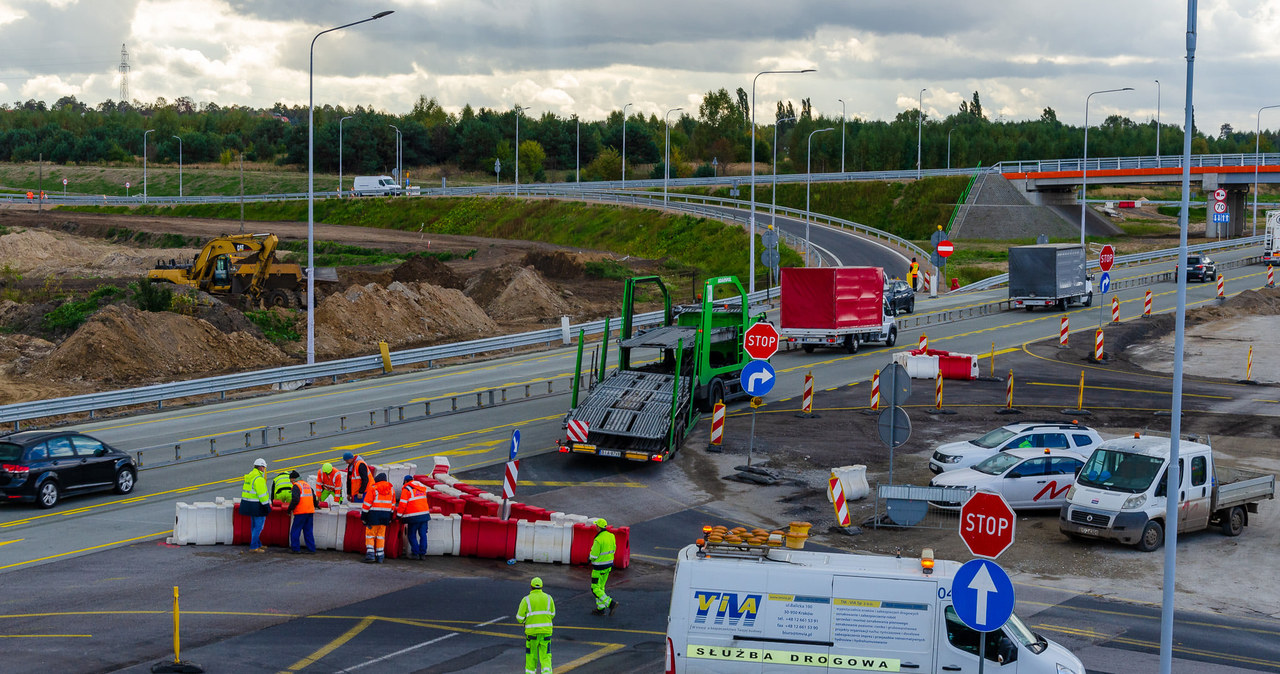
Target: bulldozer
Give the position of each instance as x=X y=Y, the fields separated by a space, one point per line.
x=241 y=269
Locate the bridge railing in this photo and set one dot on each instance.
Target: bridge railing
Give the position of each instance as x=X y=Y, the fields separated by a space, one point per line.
x=1152 y=162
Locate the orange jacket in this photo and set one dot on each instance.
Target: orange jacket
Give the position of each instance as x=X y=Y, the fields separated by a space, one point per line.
x=358 y=477
x=331 y=481
x=304 y=500
x=413 y=501
x=379 y=502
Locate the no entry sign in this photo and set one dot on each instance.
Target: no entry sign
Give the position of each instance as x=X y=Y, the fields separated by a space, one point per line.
x=946 y=248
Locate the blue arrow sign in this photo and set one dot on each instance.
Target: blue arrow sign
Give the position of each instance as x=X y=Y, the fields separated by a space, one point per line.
x=758 y=378
x=982 y=595
x=515 y=444
x=1222 y=218
x=1106 y=282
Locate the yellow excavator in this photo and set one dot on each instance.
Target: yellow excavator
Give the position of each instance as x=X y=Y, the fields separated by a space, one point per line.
x=242 y=268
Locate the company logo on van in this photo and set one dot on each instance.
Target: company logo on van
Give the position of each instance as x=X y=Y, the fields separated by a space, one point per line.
x=737 y=609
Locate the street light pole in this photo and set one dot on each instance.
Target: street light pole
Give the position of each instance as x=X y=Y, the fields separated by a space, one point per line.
x=577 y=155
x=751 y=228
x=809 y=180
x=624 y=145
x=399 y=175
x=949 y=146
x=311 y=185
x=144 y=164
x=340 y=154
x=773 y=206
x=842 y=115
x=1157 y=123
x=518 y=111
x=1257 y=159
x=919 y=132
x=179 y=166
x=666 y=163
x=1084 y=164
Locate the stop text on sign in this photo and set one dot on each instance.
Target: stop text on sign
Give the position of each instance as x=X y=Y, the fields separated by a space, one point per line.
x=984 y=524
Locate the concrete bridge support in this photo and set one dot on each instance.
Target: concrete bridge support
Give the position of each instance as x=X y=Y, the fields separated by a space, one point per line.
x=1237 y=209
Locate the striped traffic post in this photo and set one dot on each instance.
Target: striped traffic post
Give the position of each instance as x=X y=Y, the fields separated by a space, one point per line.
x=1097 y=345
x=1062 y=332
x=807 y=400
x=875 y=391
x=838 y=501
x=717 y=425
x=1146 y=305
x=1008 y=397
x=1271 y=279
x=938 y=395
x=510 y=480
x=924 y=342
x=1248 y=365
x=1115 y=309
x=1222 y=286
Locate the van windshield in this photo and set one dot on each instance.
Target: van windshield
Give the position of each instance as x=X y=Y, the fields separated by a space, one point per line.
x=1022 y=634
x=1119 y=471
x=994 y=438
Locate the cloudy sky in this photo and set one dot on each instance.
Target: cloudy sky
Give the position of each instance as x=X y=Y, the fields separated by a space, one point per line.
x=588 y=57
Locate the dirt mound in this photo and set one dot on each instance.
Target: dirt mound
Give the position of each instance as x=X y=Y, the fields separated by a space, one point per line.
x=427 y=269
x=517 y=294
x=38 y=252
x=121 y=344
x=402 y=314
x=18 y=352
x=555 y=264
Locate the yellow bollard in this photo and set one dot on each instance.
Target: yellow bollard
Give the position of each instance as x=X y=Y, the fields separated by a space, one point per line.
x=177 y=665
x=993 y=359
x=386 y=357
x=1080 y=398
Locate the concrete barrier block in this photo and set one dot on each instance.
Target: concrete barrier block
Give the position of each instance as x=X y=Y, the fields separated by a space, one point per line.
x=444 y=535
x=853 y=480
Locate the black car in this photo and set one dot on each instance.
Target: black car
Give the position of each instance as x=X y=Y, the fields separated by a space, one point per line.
x=899 y=296
x=1201 y=268
x=42 y=466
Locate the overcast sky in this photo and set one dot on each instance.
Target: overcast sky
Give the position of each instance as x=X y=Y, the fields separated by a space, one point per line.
x=588 y=57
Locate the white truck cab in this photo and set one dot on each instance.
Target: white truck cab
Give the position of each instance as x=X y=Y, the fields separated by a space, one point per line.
x=1271 y=240
x=797 y=611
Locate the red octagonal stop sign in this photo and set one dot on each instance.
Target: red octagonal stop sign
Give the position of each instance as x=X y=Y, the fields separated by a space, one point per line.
x=761 y=341
x=986 y=524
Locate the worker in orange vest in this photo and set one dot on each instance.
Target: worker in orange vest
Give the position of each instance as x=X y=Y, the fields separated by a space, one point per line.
x=302 y=504
x=329 y=483
x=357 y=477
x=378 y=503
x=913 y=273
x=414 y=510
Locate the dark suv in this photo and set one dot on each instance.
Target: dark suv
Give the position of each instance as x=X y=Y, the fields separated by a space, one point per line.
x=1201 y=269
x=899 y=296
x=42 y=466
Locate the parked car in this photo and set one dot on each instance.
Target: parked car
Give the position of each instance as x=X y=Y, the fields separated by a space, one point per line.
x=899 y=296
x=1026 y=478
x=1026 y=435
x=1201 y=268
x=43 y=466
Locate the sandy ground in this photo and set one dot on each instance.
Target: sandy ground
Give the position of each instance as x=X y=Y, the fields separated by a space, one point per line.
x=1221 y=349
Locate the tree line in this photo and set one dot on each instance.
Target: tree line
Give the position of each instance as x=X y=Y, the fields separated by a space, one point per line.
x=717 y=134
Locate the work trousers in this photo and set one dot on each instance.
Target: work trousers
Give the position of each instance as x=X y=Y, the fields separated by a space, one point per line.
x=302 y=524
x=375 y=538
x=416 y=529
x=326 y=493
x=600 y=576
x=255 y=531
x=537 y=654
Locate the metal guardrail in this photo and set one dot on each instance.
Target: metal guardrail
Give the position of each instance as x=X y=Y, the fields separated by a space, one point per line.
x=1149 y=162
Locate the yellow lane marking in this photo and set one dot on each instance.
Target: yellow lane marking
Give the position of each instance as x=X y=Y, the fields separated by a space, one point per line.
x=1129 y=390
x=44 y=636
x=332 y=645
x=559 y=483
x=307 y=456
x=1156 y=616
x=590 y=657
x=358 y=445
x=95 y=547
x=214 y=435
x=653 y=557
x=16 y=540
x=1129 y=641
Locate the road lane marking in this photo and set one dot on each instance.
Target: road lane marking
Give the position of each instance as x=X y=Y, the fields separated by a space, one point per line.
x=1128 y=390
x=332 y=645
x=16 y=540
x=1142 y=643
x=45 y=636
x=590 y=657
x=95 y=547
x=358 y=445
x=402 y=651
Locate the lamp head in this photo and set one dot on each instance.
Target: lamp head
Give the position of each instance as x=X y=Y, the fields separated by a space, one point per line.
x=379 y=15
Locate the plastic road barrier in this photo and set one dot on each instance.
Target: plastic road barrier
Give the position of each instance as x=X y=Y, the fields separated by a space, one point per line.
x=875 y=391
x=1115 y=309
x=1146 y=305
x=807 y=399
x=495 y=538
x=1222 y=285
x=717 y=424
x=853 y=479
x=924 y=343
x=1097 y=345
x=1063 y=330
x=444 y=535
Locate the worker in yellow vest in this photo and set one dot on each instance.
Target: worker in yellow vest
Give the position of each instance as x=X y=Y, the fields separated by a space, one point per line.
x=536 y=612
x=913 y=273
x=255 y=503
x=601 y=558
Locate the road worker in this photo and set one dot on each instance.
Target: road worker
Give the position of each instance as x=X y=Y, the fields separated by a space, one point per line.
x=281 y=488
x=329 y=483
x=302 y=504
x=414 y=511
x=255 y=503
x=537 y=611
x=601 y=558
x=358 y=477
x=378 y=503
x=913 y=273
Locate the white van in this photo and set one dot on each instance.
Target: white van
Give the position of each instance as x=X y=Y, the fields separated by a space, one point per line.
x=797 y=611
x=375 y=186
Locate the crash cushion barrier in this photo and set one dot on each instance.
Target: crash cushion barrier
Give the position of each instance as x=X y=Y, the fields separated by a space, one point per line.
x=584 y=535
x=448 y=505
x=467 y=489
x=853 y=480
x=927 y=363
x=495 y=538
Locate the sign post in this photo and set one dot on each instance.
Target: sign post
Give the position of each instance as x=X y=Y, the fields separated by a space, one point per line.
x=760 y=341
x=981 y=591
x=1106 y=259
x=512 y=476
x=893 y=424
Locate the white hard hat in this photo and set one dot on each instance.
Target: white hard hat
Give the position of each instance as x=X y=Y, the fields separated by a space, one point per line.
x=260 y=463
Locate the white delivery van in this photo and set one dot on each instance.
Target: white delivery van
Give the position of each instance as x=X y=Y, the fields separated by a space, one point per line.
x=375 y=186
x=796 y=611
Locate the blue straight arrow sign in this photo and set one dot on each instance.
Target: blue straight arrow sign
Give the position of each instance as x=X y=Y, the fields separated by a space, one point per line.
x=515 y=444
x=982 y=595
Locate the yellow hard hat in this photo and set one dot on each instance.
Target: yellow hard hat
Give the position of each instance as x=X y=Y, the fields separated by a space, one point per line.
x=600 y=522
x=536 y=582
x=327 y=467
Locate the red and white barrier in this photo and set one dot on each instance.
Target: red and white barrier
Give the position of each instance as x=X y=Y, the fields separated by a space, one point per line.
x=717 y=424
x=807 y=399
x=837 y=499
x=1097 y=346
x=928 y=364
x=875 y=391
x=1115 y=309
x=1063 y=329
x=1222 y=286
x=1146 y=305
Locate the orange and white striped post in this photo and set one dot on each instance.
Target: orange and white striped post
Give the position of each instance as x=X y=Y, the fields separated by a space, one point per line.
x=1008 y=394
x=807 y=399
x=1115 y=309
x=924 y=342
x=1097 y=345
x=938 y=394
x=1062 y=332
x=1248 y=366
x=1146 y=305
x=838 y=501
x=1271 y=278
x=717 y=425
x=875 y=391
x=1222 y=287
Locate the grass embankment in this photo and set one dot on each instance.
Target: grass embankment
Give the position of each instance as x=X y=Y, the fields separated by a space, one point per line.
x=684 y=242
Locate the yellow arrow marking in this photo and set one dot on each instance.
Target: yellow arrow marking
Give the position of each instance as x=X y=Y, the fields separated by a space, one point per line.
x=16 y=540
x=357 y=445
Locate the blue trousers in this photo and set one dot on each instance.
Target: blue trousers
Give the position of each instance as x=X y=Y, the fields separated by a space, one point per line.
x=302 y=524
x=416 y=529
x=255 y=530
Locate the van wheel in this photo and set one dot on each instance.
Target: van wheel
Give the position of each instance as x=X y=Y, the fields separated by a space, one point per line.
x=1233 y=523
x=893 y=337
x=1088 y=299
x=850 y=343
x=1152 y=537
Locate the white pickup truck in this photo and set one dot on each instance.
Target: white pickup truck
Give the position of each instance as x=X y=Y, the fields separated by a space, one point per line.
x=1120 y=493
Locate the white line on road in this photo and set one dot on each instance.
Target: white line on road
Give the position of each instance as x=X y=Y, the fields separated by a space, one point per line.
x=402 y=651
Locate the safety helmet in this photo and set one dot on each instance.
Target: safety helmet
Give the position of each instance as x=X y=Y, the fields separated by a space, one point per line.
x=536 y=582
x=600 y=522
x=348 y=456
x=293 y=475
x=327 y=467
x=260 y=463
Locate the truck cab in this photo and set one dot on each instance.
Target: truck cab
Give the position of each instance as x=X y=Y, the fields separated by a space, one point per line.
x=1271 y=240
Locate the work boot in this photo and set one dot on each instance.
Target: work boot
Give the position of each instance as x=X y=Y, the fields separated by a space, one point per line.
x=613 y=606
x=597 y=611
x=381 y=558
x=368 y=559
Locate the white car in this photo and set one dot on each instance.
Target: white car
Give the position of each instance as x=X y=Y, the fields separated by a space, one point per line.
x=1033 y=435
x=1026 y=478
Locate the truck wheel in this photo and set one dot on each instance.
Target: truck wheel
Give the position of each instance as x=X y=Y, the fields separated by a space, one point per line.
x=1088 y=299
x=1029 y=308
x=715 y=394
x=893 y=337
x=808 y=348
x=1062 y=304
x=1233 y=523
x=850 y=343
x=1152 y=537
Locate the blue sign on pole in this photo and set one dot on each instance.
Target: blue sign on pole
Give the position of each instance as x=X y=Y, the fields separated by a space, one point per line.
x=515 y=444
x=1106 y=282
x=982 y=595
x=758 y=378
x=1222 y=218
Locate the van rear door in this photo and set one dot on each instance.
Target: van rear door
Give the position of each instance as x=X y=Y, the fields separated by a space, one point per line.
x=883 y=624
